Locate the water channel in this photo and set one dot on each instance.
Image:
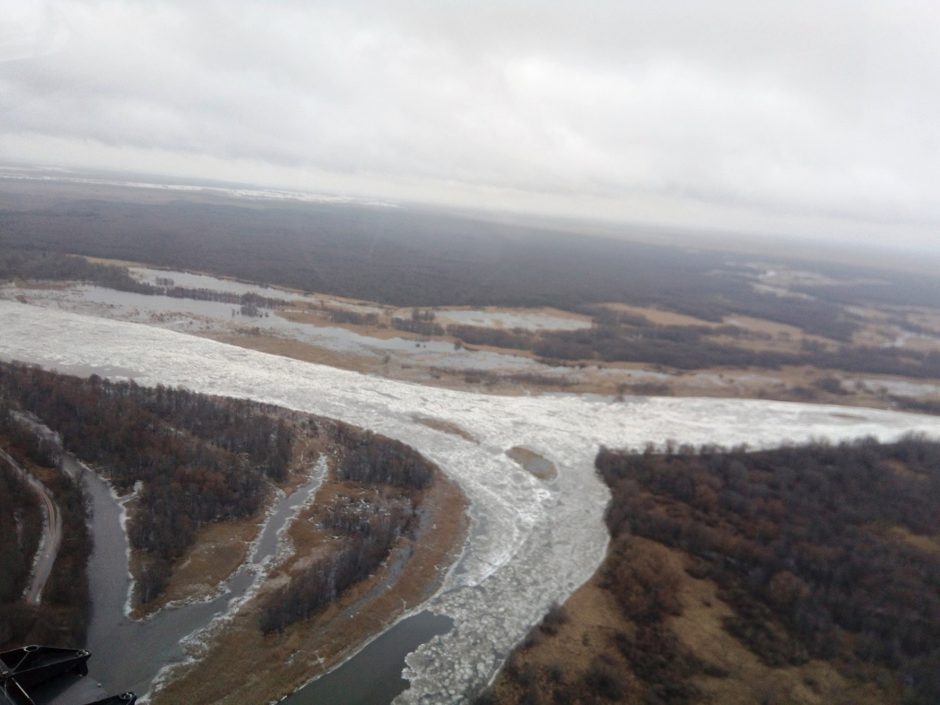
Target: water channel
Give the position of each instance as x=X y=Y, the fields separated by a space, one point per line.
x=127 y=653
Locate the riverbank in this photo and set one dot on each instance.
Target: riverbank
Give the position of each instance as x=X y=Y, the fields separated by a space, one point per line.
x=221 y=548
x=240 y=664
x=308 y=328
x=533 y=543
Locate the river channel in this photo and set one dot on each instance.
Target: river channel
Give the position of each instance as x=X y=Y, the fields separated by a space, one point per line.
x=128 y=654
x=533 y=541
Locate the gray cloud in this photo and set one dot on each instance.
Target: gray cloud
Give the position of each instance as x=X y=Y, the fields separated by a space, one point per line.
x=800 y=116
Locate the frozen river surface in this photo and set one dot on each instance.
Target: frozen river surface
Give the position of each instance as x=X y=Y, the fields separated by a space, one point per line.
x=206 y=317
x=532 y=542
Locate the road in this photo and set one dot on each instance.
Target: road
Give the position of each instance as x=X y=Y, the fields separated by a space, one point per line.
x=51 y=534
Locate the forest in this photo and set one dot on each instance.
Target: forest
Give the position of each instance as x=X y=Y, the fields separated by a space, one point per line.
x=198 y=459
x=21 y=527
x=62 y=615
x=46 y=265
x=382 y=481
x=193 y=459
x=50 y=265
x=823 y=553
x=413 y=257
x=691 y=348
x=368 y=457
x=632 y=338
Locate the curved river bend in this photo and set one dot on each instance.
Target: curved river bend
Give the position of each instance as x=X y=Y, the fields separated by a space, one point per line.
x=128 y=653
x=532 y=542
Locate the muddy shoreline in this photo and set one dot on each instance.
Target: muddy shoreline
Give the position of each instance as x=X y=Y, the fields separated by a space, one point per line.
x=281 y=665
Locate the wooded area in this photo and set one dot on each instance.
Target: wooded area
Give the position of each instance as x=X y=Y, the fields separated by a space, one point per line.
x=413 y=257
x=823 y=553
x=196 y=459
x=62 y=615
x=199 y=459
x=380 y=497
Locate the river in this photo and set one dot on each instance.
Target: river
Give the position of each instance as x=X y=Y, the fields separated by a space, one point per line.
x=128 y=654
x=533 y=542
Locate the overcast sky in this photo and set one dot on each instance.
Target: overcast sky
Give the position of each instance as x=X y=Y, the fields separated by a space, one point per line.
x=816 y=118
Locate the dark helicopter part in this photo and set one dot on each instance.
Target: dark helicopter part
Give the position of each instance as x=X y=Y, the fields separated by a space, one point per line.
x=45 y=675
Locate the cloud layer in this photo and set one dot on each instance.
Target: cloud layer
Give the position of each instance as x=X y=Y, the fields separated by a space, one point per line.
x=785 y=116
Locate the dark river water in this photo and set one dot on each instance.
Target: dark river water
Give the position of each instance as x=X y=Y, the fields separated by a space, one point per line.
x=128 y=654
x=373 y=676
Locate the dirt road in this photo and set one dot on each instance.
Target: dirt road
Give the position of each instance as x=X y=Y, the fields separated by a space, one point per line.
x=51 y=534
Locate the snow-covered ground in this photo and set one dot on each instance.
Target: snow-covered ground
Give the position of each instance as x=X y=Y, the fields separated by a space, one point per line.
x=532 y=542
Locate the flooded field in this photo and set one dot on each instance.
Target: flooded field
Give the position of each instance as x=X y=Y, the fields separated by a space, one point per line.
x=189 y=280
x=527 y=320
x=213 y=317
x=532 y=542
x=304 y=330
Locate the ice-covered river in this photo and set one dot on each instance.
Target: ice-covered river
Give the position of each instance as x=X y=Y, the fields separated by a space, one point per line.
x=532 y=542
x=204 y=317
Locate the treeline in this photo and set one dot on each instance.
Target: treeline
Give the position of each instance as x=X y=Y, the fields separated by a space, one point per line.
x=368 y=457
x=199 y=459
x=490 y=378
x=825 y=553
x=368 y=523
x=517 y=338
x=62 y=616
x=407 y=257
x=249 y=301
x=682 y=347
x=44 y=265
x=418 y=326
x=803 y=545
x=48 y=265
x=342 y=315
x=369 y=529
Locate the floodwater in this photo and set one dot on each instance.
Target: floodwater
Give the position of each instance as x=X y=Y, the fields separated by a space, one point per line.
x=205 y=317
x=527 y=320
x=532 y=542
x=189 y=280
x=383 y=659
